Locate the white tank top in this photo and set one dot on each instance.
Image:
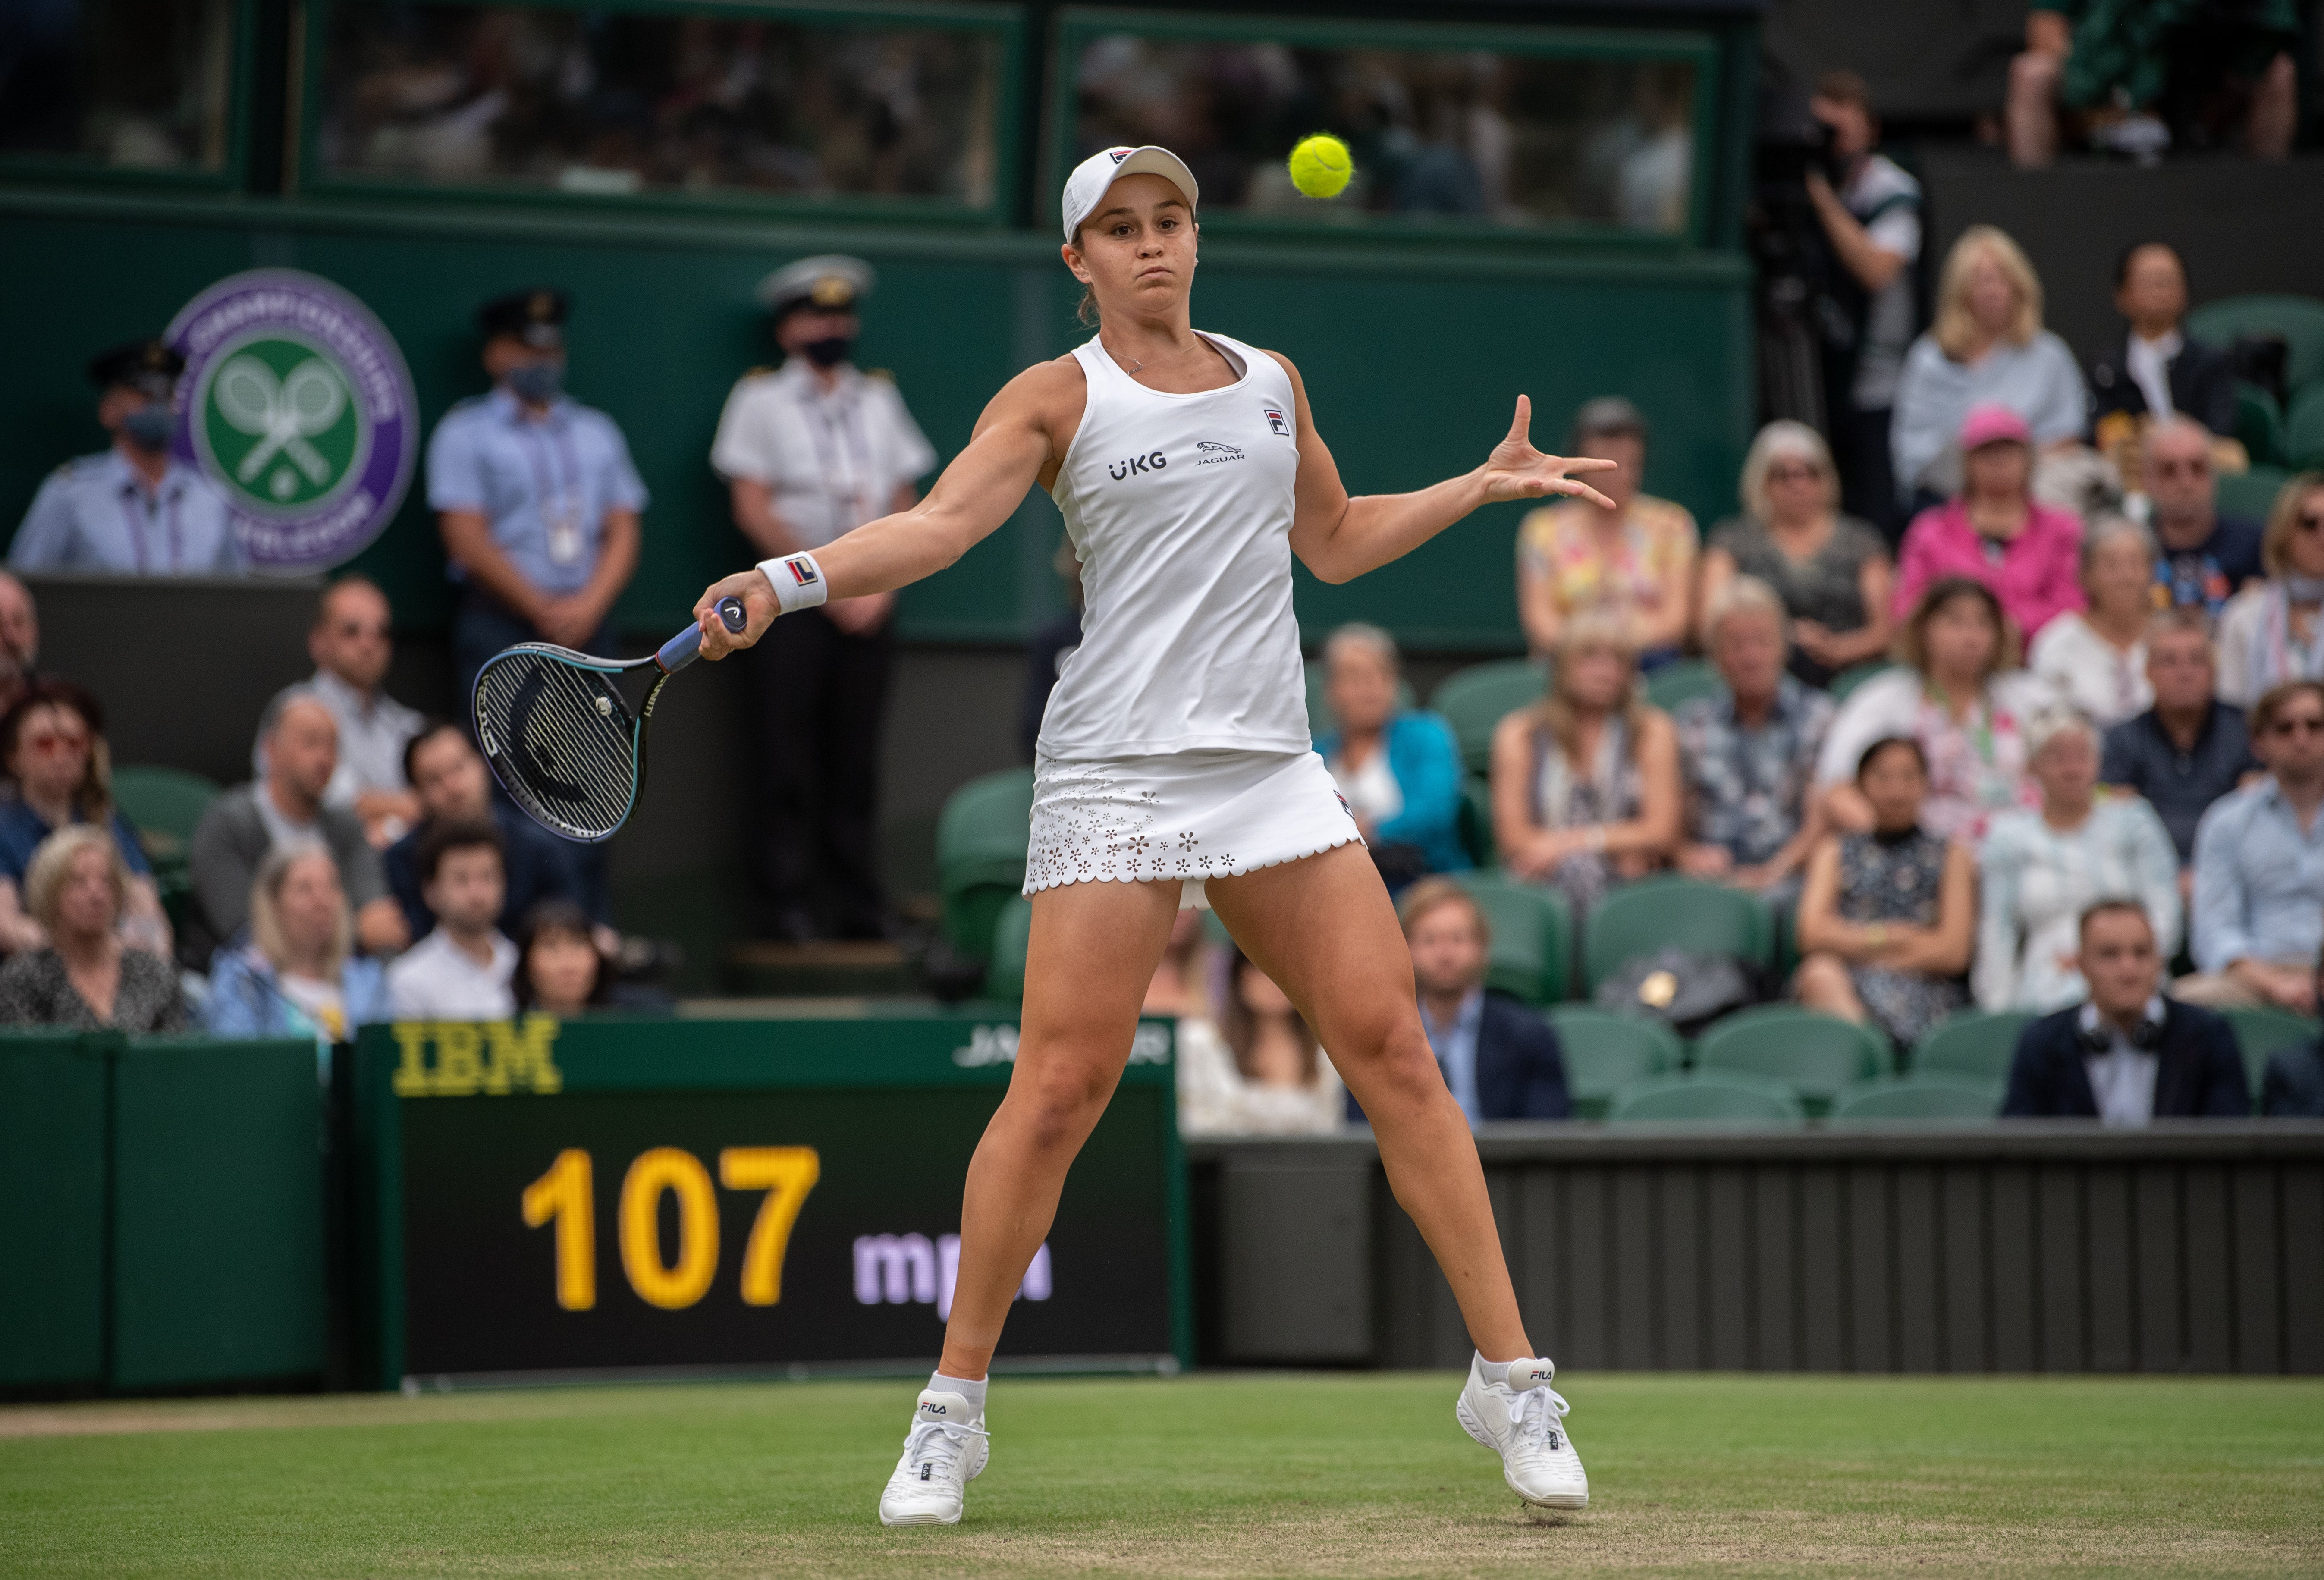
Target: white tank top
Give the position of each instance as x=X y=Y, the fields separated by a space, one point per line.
x=1179 y=507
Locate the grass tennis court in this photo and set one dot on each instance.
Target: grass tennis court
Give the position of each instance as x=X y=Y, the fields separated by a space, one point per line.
x=1208 y=1475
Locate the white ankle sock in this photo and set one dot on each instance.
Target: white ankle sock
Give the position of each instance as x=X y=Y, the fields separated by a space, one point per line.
x=972 y=1391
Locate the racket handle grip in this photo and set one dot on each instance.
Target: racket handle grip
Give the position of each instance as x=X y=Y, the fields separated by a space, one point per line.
x=686 y=647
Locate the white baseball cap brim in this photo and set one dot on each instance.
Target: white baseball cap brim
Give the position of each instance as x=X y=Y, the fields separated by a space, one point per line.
x=1086 y=188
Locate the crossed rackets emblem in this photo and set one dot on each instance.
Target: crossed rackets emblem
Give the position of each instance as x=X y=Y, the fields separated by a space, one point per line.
x=283 y=414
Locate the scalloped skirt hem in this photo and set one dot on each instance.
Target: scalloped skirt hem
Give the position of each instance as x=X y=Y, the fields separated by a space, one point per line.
x=1184 y=818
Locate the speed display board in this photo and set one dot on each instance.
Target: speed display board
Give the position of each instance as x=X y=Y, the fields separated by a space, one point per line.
x=615 y=1196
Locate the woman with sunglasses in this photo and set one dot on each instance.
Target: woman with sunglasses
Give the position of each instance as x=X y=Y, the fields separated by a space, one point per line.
x=52 y=745
x=1174 y=768
x=1831 y=571
x=2272 y=634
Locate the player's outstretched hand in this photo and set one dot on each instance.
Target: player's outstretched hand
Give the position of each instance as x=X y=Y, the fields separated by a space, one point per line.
x=758 y=603
x=1515 y=470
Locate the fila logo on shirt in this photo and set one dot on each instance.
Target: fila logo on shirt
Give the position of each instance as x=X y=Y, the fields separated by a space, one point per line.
x=1276 y=421
x=1152 y=461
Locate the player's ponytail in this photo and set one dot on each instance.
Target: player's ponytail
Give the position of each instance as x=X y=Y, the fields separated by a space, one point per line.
x=1086 y=310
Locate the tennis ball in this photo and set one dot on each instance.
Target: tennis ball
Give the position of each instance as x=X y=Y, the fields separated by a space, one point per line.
x=1320 y=166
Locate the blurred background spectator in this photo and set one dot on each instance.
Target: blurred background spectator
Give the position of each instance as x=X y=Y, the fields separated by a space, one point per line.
x=1635 y=562
x=52 y=744
x=2041 y=869
x=1181 y=984
x=20 y=640
x=1586 y=783
x=298 y=976
x=454 y=786
x=2159 y=373
x=1398 y=768
x=1500 y=1059
x=559 y=971
x=2129 y=1055
x=2208 y=557
x=2270 y=632
x=2095 y=657
x=1888 y=915
x=462 y=970
x=1871 y=211
x=352 y=644
x=1995 y=531
x=2188 y=750
x=84 y=978
x=1961 y=697
x=1833 y=571
x=1987 y=347
x=2292 y=1085
x=2259 y=866
x=1259 y=1071
x=1749 y=753
x=298 y=742
x=2137 y=78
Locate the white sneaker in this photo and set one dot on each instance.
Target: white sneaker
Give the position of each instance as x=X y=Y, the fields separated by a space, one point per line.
x=1513 y=1410
x=946 y=1451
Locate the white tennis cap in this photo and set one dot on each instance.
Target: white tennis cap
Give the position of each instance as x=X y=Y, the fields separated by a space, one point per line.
x=1091 y=178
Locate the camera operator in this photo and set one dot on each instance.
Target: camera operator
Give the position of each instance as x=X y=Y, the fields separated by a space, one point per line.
x=1871 y=214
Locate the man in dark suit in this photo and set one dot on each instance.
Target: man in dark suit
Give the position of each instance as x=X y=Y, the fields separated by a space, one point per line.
x=2158 y=371
x=1500 y=1058
x=2129 y=1055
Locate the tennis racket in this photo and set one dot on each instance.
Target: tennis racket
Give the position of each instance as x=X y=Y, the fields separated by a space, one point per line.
x=562 y=739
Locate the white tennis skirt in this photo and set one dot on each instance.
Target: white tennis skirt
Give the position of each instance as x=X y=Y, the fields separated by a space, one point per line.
x=1181 y=817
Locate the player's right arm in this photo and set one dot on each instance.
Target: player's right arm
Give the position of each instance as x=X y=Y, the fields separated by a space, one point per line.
x=1019 y=440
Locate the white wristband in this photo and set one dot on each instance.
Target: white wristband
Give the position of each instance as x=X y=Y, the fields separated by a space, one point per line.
x=798 y=581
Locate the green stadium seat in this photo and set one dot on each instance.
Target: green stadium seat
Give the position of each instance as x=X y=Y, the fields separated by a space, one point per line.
x=1727 y=1098
x=1674 y=913
x=1475 y=699
x=2299 y=320
x=1320 y=722
x=2259 y=424
x=1818 y=1056
x=1855 y=675
x=1477 y=821
x=1941 y=1098
x=2260 y=1032
x=1606 y=1052
x=2251 y=494
x=1681 y=682
x=1012 y=931
x=1532 y=953
x=1969 y=1043
x=2303 y=429
x=980 y=837
x=164 y=805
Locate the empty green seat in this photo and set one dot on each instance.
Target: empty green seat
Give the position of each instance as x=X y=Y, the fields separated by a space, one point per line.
x=1943 y=1098
x=980 y=837
x=1723 y=1097
x=2303 y=429
x=2259 y=424
x=2260 y=1032
x=1971 y=1043
x=1606 y=1052
x=1818 y=1056
x=1477 y=821
x=2251 y=494
x=1855 y=675
x=1475 y=699
x=2297 y=320
x=1674 y=913
x=164 y=805
x=1682 y=682
x=1012 y=931
x=1533 y=937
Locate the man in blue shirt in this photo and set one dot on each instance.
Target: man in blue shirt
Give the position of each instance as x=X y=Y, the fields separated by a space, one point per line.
x=2205 y=558
x=535 y=495
x=2259 y=867
x=131 y=509
x=453 y=786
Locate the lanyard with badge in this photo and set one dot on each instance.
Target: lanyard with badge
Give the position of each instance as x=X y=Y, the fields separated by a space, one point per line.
x=130 y=494
x=828 y=430
x=559 y=505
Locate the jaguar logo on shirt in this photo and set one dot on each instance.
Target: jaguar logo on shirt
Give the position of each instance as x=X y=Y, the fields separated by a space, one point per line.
x=1210 y=452
x=1152 y=461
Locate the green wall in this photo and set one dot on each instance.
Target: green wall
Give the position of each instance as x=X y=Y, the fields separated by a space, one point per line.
x=1411 y=357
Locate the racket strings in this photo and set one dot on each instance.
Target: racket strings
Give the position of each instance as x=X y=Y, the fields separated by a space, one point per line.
x=574 y=762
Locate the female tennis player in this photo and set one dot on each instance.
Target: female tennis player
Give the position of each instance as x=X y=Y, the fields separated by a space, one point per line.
x=1174 y=769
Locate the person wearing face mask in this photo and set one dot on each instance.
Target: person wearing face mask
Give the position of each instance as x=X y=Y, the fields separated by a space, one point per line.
x=535 y=494
x=134 y=510
x=811 y=450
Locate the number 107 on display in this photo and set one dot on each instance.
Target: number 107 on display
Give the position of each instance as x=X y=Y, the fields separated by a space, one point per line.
x=565 y=1197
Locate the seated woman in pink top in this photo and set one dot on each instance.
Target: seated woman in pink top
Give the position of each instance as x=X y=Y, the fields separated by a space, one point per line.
x=1994 y=531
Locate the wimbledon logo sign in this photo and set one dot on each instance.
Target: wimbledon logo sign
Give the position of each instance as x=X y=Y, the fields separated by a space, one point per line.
x=297 y=405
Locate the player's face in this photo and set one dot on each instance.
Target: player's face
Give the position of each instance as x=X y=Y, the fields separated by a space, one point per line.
x=466 y=892
x=1137 y=252
x=2119 y=962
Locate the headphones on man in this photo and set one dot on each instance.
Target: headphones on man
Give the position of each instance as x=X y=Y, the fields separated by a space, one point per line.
x=2098 y=1039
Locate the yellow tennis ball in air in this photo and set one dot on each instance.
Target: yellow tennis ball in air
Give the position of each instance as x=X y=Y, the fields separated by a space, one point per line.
x=1320 y=166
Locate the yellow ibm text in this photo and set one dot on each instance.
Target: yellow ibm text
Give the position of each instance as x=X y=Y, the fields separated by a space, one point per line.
x=493 y=1057
x=565 y=1197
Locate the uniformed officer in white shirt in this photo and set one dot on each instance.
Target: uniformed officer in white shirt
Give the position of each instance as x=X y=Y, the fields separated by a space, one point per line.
x=133 y=510
x=810 y=452
x=535 y=494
